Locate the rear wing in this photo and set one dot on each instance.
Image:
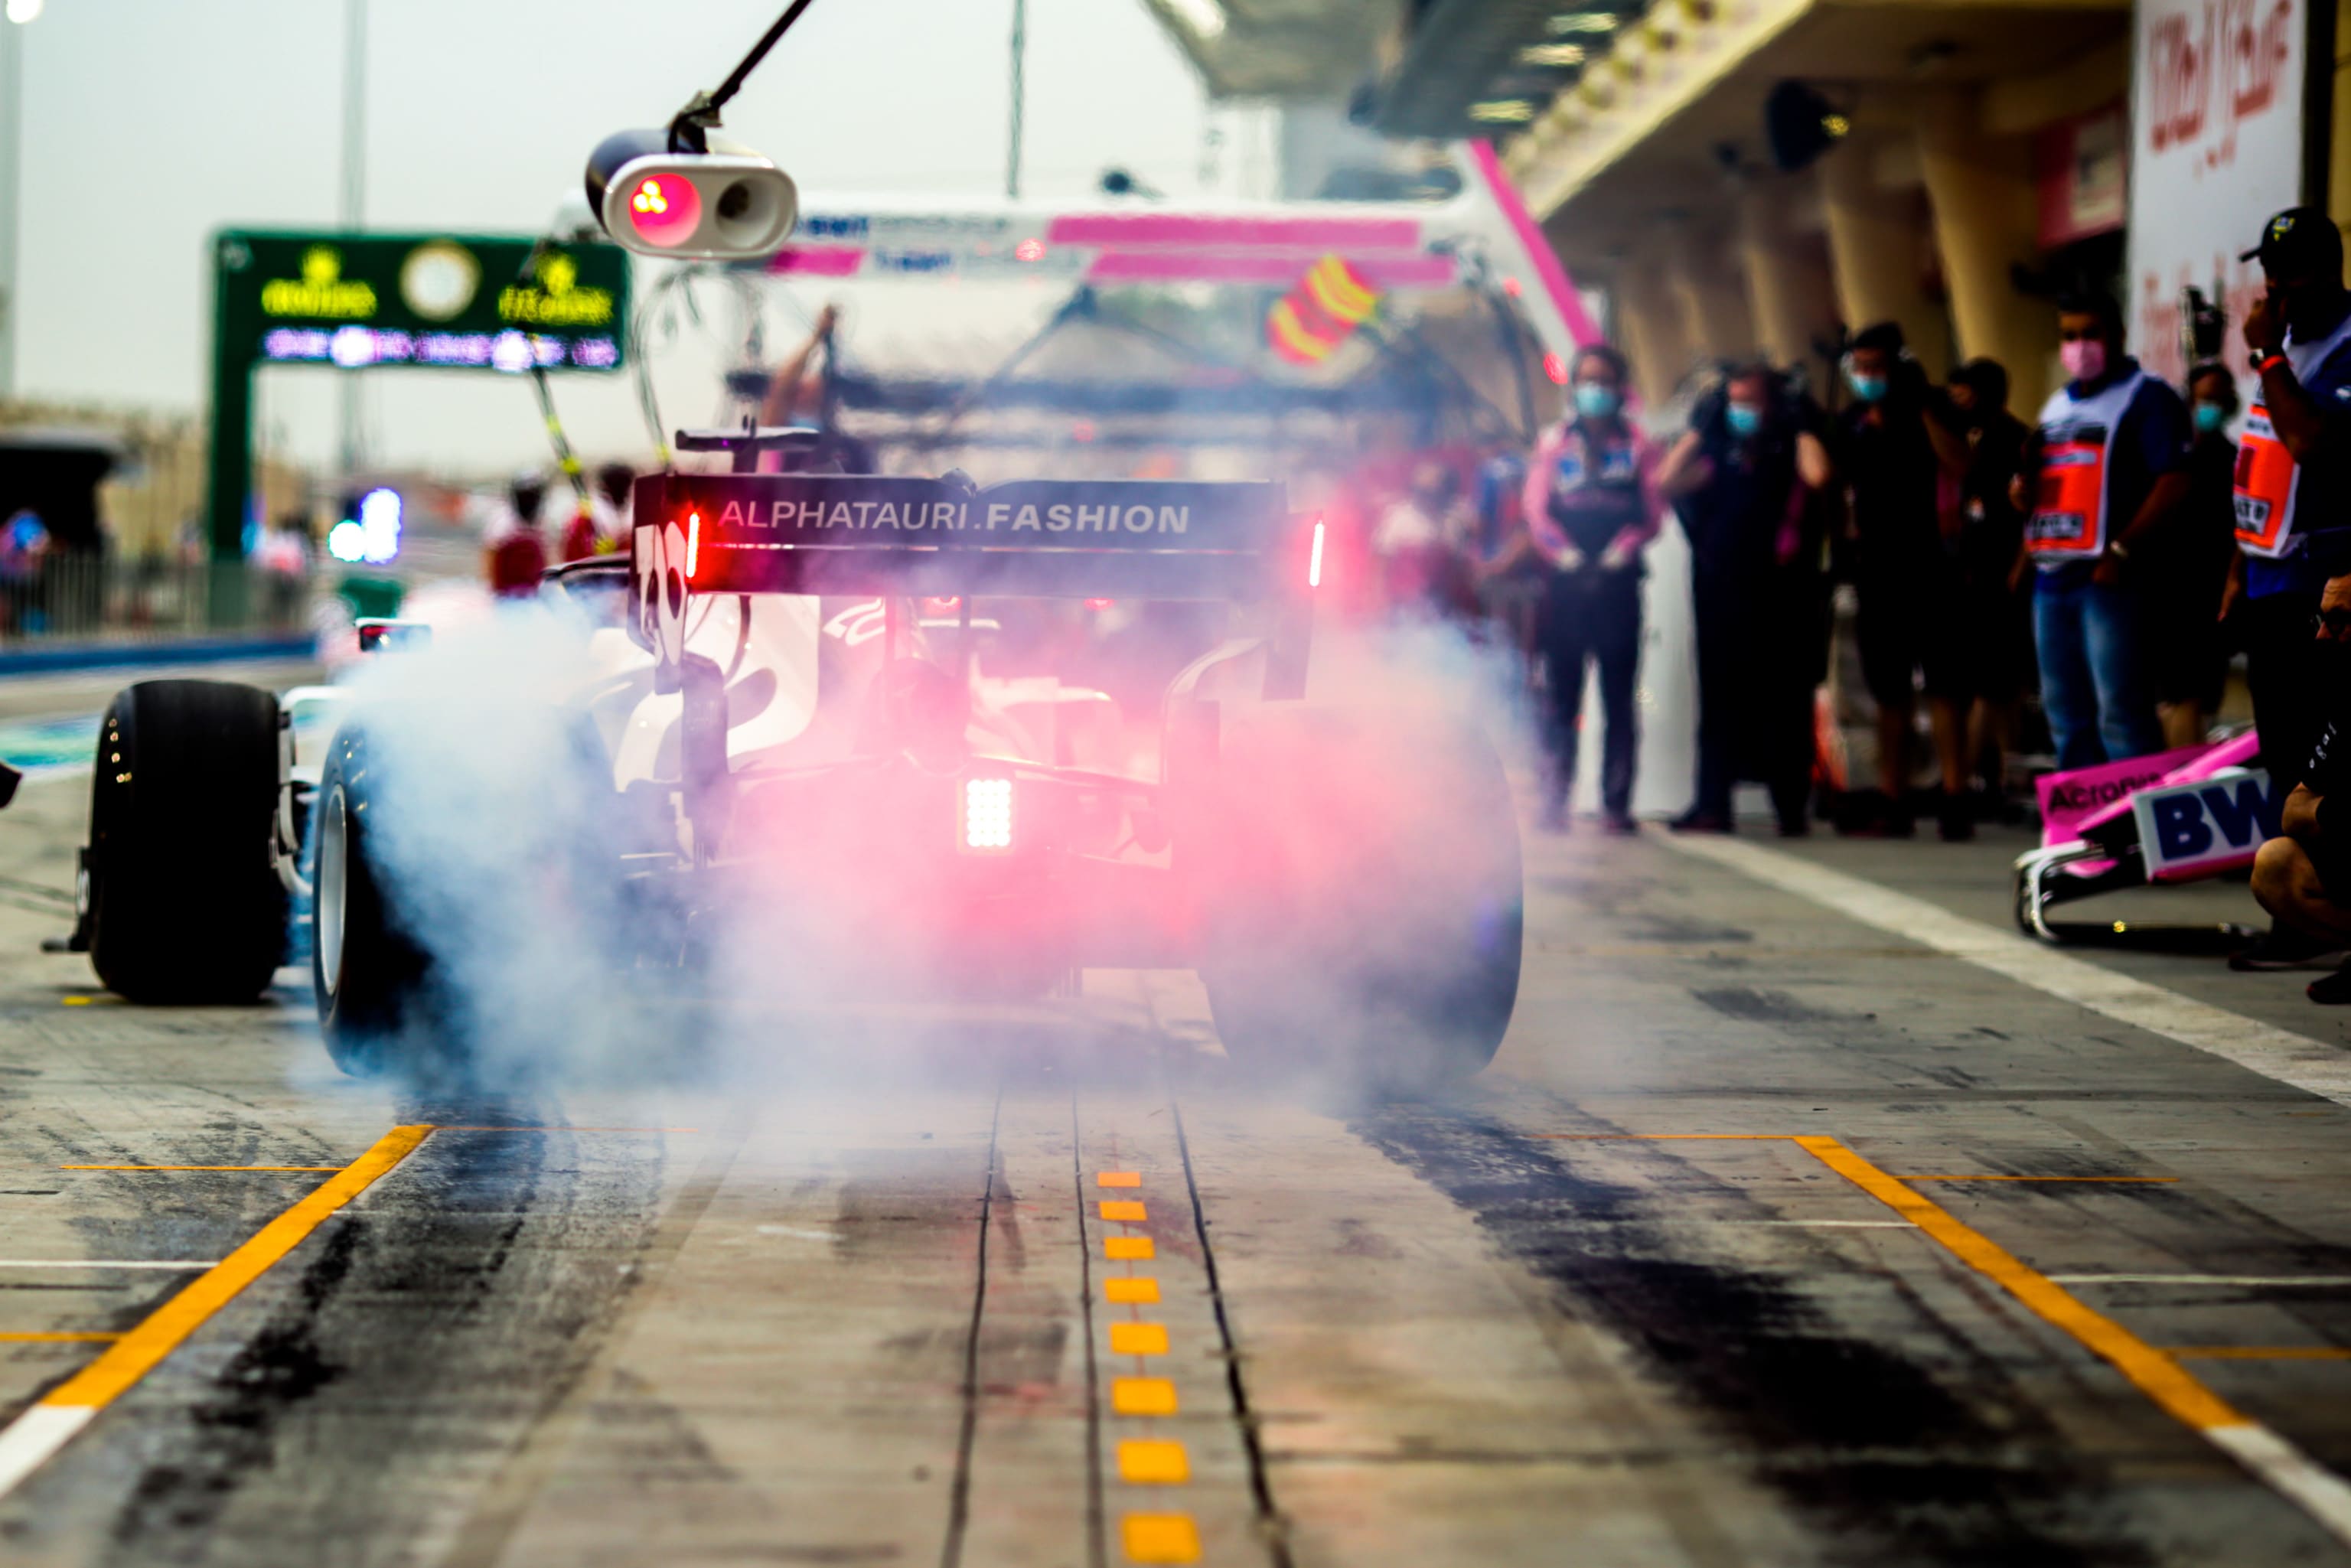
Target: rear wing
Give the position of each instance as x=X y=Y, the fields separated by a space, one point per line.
x=892 y=536
x=856 y=533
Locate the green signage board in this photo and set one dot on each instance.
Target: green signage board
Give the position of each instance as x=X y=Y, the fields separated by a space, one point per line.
x=453 y=302
x=362 y=301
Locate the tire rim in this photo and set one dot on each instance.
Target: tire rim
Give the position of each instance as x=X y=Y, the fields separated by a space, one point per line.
x=334 y=880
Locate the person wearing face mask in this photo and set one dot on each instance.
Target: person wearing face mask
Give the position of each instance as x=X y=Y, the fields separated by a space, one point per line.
x=1744 y=480
x=2293 y=497
x=1997 y=617
x=2183 y=571
x=2106 y=472
x=1895 y=457
x=1592 y=507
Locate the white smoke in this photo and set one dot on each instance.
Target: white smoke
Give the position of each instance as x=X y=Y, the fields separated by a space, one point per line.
x=495 y=824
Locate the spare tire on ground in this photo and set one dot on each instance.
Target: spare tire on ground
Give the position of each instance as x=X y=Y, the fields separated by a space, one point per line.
x=1358 y=882
x=184 y=906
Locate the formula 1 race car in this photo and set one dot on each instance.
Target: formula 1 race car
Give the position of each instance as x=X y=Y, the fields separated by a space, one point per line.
x=769 y=757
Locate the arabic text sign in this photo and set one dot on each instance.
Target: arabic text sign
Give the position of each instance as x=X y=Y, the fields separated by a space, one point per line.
x=2216 y=148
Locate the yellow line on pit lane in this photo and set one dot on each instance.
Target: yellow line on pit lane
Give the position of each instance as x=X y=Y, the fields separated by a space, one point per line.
x=29 y=1442
x=2157 y=1373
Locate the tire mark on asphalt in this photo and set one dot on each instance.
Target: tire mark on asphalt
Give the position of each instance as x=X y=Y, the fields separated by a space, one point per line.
x=1884 y=1461
x=1269 y=1517
x=482 y=1540
x=1097 y=1515
x=959 y=1493
x=422 y=1337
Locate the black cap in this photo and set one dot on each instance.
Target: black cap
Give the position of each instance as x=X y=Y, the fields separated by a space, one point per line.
x=2299 y=242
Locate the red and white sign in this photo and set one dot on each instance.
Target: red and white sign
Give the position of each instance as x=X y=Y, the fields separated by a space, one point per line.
x=2216 y=148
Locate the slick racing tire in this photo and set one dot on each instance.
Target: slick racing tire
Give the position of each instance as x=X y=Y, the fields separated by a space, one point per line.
x=182 y=902
x=1360 y=894
x=378 y=1007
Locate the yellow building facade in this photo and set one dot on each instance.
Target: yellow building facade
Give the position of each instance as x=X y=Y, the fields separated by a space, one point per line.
x=1930 y=206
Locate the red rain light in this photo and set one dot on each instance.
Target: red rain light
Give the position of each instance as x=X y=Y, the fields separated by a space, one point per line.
x=1556 y=369
x=1029 y=250
x=1100 y=603
x=693 y=542
x=1314 y=561
x=665 y=210
x=1513 y=287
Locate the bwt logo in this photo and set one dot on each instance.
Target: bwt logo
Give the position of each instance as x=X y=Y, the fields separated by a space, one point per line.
x=2231 y=817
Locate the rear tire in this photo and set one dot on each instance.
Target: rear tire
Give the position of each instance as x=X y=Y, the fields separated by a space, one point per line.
x=378 y=1007
x=1362 y=898
x=184 y=905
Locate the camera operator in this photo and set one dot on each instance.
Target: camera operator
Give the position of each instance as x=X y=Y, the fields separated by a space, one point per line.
x=1745 y=480
x=2293 y=488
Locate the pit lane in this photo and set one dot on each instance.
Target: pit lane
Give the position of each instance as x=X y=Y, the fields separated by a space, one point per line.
x=889 y=1305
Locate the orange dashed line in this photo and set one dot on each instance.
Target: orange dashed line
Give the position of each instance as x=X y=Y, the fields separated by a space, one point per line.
x=1160 y=1538
x=1138 y=1339
x=1119 y=1248
x=1142 y=1396
x=1122 y=1211
x=1119 y=1178
x=1152 y=1462
x=1124 y=1291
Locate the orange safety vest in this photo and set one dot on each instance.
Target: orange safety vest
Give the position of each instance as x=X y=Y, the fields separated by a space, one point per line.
x=2077 y=448
x=2267 y=477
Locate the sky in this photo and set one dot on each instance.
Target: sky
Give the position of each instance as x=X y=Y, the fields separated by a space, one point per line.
x=148 y=124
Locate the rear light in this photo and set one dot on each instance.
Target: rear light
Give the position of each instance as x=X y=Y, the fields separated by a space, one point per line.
x=988 y=815
x=1100 y=603
x=693 y=541
x=1313 y=562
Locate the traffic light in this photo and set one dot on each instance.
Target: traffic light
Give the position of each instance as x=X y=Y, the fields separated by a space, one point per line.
x=724 y=205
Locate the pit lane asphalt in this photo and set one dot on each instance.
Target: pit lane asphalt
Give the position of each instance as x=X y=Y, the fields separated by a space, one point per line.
x=869 y=1317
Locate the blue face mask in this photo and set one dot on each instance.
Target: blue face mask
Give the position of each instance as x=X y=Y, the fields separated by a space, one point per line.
x=1868 y=389
x=1744 y=419
x=1593 y=401
x=2210 y=417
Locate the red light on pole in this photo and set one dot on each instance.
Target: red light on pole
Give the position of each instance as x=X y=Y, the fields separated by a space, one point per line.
x=665 y=210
